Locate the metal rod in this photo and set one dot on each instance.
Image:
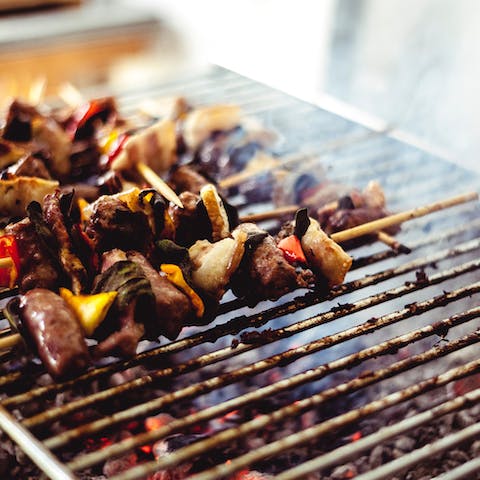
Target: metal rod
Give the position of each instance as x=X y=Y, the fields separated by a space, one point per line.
x=412 y=458
x=236 y=403
x=33 y=448
x=280 y=446
x=58 y=412
x=235 y=325
x=351 y=450
x=467 y=470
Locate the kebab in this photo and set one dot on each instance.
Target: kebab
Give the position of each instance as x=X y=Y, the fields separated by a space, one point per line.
x=203 y=252
x=136 y=283
x=109 y=289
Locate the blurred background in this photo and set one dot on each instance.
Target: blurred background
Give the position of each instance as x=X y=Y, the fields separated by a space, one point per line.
x=410 y=64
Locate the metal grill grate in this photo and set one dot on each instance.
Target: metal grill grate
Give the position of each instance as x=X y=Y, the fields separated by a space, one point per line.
x=318 y=348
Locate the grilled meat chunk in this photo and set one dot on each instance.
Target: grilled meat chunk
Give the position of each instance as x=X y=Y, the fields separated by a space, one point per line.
x=113 y=225
x=17 y=193
x=173 y=308
x=185 y=178
x=69 y=260
x=56 y=332
x=264 y=273
x=28 y=166
x=43 y=136
x=124 y=341
x=355 y=209
x=37 y=267
x=191 y=222
x=123 y=328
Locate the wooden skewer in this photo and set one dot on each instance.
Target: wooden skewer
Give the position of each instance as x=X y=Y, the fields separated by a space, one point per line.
x=278 y=212
x=383 y=237
x=72 y=97
x=396 y=218
x=158 y=184
x=6 y=343
x=392 y=242
x=375 y=225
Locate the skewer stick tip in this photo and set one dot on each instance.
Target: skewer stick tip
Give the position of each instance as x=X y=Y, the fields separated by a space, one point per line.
x=158 y=183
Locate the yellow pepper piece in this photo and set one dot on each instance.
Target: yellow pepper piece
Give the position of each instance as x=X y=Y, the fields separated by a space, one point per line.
x=175 y=275
x=107 y=143
x=130 y=197
x=83 y=205
x=90 y=310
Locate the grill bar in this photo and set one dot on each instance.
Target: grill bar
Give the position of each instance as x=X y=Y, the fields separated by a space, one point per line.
x=354 y=154
x=412 y=458
x=467 y=470
x=322 y=371
x=56 y=413
x=33 y=448
x=348 y=451
x=237 y=324
x=300 y=406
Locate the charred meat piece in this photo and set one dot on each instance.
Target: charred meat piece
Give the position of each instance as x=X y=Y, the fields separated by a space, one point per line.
x=173 y=308
x=191 y=222
x=86 y=119
x=71 y=263
x=113 y=225
x=42 y=135
x=123 y=328
x=354 y=209
x=37 y=267
x=10 y=153
x=124 y=341
x=264 y=272
x=28 y=166
x=196 y=222
x=56 y=332
x=18 y=127
x=186 y=178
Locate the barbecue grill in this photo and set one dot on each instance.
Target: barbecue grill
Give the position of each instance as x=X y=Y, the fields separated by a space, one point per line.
x=307 y=386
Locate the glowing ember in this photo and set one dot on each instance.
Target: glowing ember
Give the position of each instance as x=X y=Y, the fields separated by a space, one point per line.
x=356 y=436
x=157 y=422
x=147 y=449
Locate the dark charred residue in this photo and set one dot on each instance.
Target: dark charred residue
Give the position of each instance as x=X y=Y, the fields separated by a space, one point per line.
x=366 y=374
x=413 y=307
x=342 y=306
x=441 y=329
x=255 y=337
x=422 y=277
x=234 y=343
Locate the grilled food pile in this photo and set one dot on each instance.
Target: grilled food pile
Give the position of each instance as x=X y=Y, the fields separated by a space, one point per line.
x=99 y=255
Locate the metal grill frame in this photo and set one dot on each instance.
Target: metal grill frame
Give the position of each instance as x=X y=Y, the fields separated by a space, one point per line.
x=349 y=144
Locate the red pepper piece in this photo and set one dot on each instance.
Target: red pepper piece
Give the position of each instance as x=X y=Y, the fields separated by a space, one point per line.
x=8 y=248
x=292 y=249
x=118 y=148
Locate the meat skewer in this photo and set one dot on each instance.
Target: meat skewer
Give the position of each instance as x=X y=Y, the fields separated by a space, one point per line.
x=9 y=342
x=375 y=225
